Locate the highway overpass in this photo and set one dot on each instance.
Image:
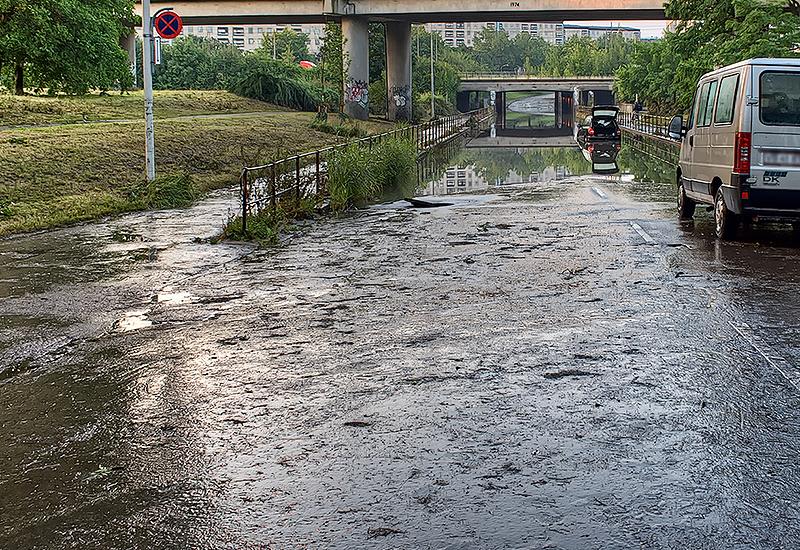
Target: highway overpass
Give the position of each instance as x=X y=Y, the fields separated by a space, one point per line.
x=529 y=83
x=398 y=15
x=228 y=12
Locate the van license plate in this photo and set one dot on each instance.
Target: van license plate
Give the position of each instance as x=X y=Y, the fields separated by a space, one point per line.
x=781 y=158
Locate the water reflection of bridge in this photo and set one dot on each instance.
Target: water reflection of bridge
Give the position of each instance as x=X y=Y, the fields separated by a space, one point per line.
x=524 y=137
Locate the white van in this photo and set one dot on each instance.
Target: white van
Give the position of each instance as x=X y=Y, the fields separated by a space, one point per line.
x=740 y=148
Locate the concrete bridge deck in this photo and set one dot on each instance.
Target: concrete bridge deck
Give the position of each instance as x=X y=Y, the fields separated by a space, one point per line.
x=502 y=82
x=229 y=12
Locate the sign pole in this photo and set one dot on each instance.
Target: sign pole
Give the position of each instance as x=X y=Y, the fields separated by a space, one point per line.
x=147 y=69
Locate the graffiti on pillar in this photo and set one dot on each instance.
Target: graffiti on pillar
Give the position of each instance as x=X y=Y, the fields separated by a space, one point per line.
x=401 y=95
x=357 y=91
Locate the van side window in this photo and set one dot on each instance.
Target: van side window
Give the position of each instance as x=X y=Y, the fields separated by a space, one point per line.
x=780 y=98
x=726 y=99
x=702 y=103
x=692 y=111
x=712 y=93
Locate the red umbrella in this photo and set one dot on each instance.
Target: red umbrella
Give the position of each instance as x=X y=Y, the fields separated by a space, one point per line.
x=307 y=64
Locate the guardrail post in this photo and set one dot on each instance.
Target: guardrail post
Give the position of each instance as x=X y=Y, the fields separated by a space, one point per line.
x=245 y=201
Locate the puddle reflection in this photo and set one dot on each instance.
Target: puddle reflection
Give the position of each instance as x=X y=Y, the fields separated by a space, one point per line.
x=512 y=156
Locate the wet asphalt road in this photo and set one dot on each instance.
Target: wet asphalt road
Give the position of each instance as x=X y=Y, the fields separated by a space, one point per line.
x=523 y=369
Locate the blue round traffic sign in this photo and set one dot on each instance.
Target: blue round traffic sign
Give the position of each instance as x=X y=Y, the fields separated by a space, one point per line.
x=168 y=25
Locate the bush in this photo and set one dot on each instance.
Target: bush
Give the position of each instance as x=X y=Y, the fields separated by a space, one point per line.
x=344 y=130
x=351 y=177
x=173 y=191
x=396 y=167
x=277 y=82
x=422 y=106
x=377 y=96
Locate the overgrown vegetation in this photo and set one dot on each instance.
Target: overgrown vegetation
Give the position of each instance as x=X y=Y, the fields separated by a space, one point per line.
x=266 y=226
x=357 y=175
x=171 y=191
x=348 y=129
x=352 y=177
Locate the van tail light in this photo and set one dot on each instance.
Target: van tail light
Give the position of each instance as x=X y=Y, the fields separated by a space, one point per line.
x=591 y=131
x=741 y=153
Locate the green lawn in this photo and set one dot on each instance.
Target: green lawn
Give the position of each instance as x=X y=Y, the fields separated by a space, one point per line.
x=36 y=110
x=55 y=175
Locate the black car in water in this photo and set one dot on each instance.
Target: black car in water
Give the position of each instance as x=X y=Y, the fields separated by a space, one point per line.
x=600 y=125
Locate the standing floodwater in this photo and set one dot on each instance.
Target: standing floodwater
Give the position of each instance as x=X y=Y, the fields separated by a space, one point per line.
x=551 y=361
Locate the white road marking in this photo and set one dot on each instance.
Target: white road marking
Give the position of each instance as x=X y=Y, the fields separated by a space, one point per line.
x=599 y=193
x=772 y=361
x=642 y=233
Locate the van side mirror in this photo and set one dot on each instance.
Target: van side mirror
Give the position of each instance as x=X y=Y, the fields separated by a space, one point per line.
x=676 y=128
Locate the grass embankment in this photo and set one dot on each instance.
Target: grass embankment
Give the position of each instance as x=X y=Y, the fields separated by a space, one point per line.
x=56 y=175
x=41 y=110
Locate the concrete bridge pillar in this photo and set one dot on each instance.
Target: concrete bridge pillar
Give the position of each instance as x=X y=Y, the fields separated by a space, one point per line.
x=464 y=101
x=355 y=34
x=398 y=70
x=500 y=108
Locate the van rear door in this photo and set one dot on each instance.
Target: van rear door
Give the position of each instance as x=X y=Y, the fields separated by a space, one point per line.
x=775 y=133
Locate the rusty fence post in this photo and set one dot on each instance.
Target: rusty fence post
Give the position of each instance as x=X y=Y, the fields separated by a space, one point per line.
x=297 y=178
x=273 y=199
x=245 y=201
x=316 y=158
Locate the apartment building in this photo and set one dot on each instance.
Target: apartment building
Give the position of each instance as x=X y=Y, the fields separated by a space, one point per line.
x=601 y=31
x=463 y=34
x=250 y=37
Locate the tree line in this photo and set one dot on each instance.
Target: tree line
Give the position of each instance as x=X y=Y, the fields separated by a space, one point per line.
x=708 y=34
x=73 y=46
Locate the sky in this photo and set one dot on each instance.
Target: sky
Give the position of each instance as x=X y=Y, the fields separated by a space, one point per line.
x=650 y=29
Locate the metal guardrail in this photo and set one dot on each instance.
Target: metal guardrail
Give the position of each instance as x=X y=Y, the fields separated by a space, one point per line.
x=306 y=174
x=651 y=125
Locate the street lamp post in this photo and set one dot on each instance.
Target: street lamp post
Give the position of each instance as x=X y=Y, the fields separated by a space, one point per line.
x=433 y=106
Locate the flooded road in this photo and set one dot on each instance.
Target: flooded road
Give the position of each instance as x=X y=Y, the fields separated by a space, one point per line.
x=552 y=361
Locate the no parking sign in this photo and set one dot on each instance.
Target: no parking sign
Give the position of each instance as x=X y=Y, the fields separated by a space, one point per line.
x=168 y=24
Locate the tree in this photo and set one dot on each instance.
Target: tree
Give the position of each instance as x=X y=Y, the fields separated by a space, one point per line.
x=330 y=55
x=66 y=45
x=194 y=63
x=277 y=44
x=494 y=51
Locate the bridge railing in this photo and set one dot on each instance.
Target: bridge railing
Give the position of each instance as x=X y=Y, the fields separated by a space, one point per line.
x=306 y=174
x=652 y=125
x=512 y=75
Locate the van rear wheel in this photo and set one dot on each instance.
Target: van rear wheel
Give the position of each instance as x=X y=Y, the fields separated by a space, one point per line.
x=725 y=221
x=686 y=206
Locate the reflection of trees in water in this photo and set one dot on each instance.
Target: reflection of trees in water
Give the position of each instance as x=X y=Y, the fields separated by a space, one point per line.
x=644 y=167
x=652 y=177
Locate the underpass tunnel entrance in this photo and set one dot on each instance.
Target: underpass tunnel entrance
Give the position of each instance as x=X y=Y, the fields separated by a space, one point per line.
x=534 y=110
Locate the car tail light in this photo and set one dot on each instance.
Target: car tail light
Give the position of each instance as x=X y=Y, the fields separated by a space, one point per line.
x=741 y=153
x=591 y=131
x=590 y=149
x=745 y=195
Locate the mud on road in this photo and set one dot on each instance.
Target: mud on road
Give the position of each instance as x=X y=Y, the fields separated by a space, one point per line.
x=518 y=370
